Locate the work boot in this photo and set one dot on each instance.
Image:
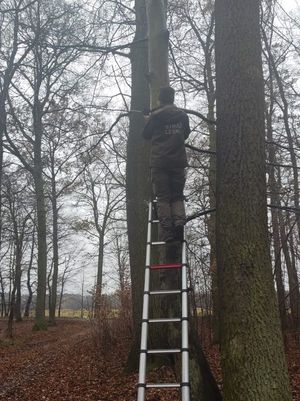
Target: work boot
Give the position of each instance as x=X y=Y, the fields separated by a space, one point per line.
x=166 y=234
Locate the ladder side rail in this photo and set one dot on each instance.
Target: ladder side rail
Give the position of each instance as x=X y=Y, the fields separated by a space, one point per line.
x=185 y=390
x=145 y=316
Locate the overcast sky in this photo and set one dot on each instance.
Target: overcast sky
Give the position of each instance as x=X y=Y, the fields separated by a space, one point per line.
x=289 y=4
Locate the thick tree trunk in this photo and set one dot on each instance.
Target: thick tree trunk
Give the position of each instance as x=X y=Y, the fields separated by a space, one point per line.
x=137 y=174
x=202 y=383
x=37 y=111
x=158 y=48
x=40 y=320
x=253 y=360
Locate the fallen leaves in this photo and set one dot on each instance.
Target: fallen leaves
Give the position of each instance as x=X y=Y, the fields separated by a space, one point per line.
x=64 y=364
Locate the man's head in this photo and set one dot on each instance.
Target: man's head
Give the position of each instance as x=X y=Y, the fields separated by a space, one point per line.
x=166 y=95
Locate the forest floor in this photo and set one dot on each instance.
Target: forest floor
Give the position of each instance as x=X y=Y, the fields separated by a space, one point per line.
x=69 y=363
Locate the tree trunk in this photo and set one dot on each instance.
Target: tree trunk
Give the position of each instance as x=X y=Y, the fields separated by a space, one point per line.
x=18 y=276
x=138 y=185
x=158 y=48
x=202 y=383
x=10 y=322
x=19 y=239
x=285 y=110
x=30 y=293
x=82 y=298
x=278 y=267
x=37 y=111
x=294 y=293
x=61 y=298
x=296 y=289
x=40 y=320
x=3 y=300
x=211 y=96
x=274 y=195
x=253 y=360
x=99 y=273
x=53 y=301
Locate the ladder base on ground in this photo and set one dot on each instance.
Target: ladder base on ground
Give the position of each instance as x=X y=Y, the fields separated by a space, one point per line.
x=146 y=321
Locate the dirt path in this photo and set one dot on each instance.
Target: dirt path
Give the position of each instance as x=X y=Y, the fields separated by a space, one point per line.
x=42 y=366
x=63 y=364
x=60 y=365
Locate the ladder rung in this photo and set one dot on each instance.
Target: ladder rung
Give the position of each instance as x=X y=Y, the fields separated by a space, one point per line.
x=154 y=221
x=164 y=351
x=165 y=292
x=163 y=385
x=166 y=266
x=165 y=320
x=158 y=243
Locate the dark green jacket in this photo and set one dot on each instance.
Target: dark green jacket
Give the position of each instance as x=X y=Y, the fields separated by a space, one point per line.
x=168 y=127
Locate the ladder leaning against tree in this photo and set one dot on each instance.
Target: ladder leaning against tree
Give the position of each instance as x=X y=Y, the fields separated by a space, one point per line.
x=146 y=321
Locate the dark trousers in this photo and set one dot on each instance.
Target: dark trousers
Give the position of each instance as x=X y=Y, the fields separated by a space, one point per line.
x=168 y=187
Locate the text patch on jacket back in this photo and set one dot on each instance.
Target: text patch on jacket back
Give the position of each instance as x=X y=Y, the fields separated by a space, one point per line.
x=173 y=128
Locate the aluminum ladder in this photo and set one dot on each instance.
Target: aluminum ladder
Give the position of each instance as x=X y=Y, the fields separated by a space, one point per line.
x=184 y=350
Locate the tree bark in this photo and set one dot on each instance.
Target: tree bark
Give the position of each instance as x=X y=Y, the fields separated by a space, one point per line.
x=294 y=292
x=11 y=315
x=158 y=41
x=40 y=320
x=285 y=110
x=37 y=111
x=53 y=299
x=202 y=382
x=61 y=297
x=138 y=185
x=99 y=271
x=253 y=360
x=18 y=276
x=211 y=97
x=30 y=293
x=274 y=195
x=3 y=300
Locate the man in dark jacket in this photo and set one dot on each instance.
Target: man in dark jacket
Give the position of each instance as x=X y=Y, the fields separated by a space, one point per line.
x=168 y=128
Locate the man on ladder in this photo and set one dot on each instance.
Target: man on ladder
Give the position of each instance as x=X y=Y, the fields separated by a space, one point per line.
x=168 y=127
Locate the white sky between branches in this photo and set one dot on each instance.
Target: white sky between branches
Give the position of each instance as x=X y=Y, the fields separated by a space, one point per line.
x=292 y=7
